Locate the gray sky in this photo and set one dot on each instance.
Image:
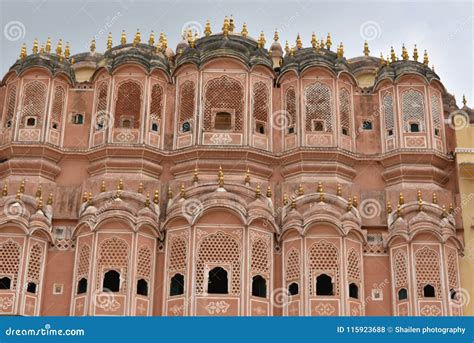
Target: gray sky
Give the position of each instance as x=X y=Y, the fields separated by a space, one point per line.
x=444 y=28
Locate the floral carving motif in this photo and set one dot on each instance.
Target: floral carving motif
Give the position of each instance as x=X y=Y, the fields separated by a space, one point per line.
x=430 y=310
x=216 y=307
x=324 y=309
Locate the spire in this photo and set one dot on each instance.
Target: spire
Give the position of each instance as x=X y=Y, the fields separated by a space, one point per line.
x=50 y=199
x=137 y=39
x=23 y=53
x=247 y=176
x=244 y=32
x=164 y=42
x=231 y=24
x=300 y=190
x=225 y=27
x=392 y=54
x=92 y=46
x=269 y=191
x=156 y=197
x=339 y=190
x=220 y=177
x=196 y=175
x=140 y=187
x=405 y=53
x=328 y=41
x=59 y=47
x=182 y=191
x=35 y=47
x=67 y=50
x=287 y=48
x=340 y=51
x=257 y=191
x=151 y=39
x=366 y=49
x=415 y=54
x=314 y=41
x=425 y=58
x=207 y=29
x=382 y=60
x=389 y=207
x=261 y=40
x=123 y=38
x=41 y=49
x=276 y=37
x=464 y=101
x=48 y=46
x=102 y=187
x=109 y=41
x=299 y=44
x=5 y=190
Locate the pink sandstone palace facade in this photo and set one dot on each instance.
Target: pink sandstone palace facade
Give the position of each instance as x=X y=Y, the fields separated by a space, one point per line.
x=227 y=178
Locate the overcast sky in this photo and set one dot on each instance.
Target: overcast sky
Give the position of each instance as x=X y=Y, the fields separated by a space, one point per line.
x=444 y=28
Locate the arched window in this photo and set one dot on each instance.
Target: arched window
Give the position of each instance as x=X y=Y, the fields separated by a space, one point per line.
x=111 y=281
x=142 y=287
x=345 y=111
x=324 y=285
x=78 y=119
x=260 y=106
x=57 y=107
x=101 y=114
x=293 y=289
x=154 y=127
x=453 y=294
x=387 y=103
x=186 y=105
x=413 y=111
x=223 y=121
x=34 y=101
x=429 y=291
x=31 y=287
x=177 y=285
x=290 y=104
x=128 y=104
x=402 y=294
x=259 y=286
x=10 y=107
x=318 y=108
x=156 y=102
x=353 y=291
x=5 y=283
x=217 y=282
x=82 y=286
x=31 y=122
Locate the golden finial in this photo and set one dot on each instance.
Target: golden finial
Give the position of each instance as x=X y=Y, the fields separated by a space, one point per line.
x=89 y=198
x=170 y=192
x=18 y=195
x=401 y=199
x=247 y=176
x=418 y=195
x=151 y=39
x=321 y=197
x=120 y=184
x=231 y=24
x=299 y=44
x=92 y=46
x=261 y=40
x=405 y=55
x=23 y=52
x=48 y=46
x=118 y=194
x=140 y=187
x=41 y=49
x=123 y=38
x=39 y=203
x=399 y=209
x=287 y=48
x=102 y=187
x=420 y=204
x=269 y=191
x=285 y=199
x=39 y=191
x=328 y=41
x=464 y=101
x=434 y=198
x=225 y=27
x=389 y=207
x=72 y=60
x=67 y=50
x=137 y=39
x=366 y=49
x=35 y=46
x=147 y=201
x=5 y=190
x=182 y=191
x=276 y=37
x=293 y=202
x=415 y=54
x=292 y=51
x=425 y=59
x=382 y=60
x=84 y=197
x=50 y=199
x=207 y=29
x=349 y=204
x=314 y=41
x=320 y=187
x=340 y=51
x=109 y=41
x=451 y=208
x=22 y=186
x=220 y=177
x=300 y=190
x=191 y=39
x=355 y=202
x=164 y=43
x=392 y=54
x=387 y=61
x=257 y=191
x=244 y=32
x=156 y=197
x=445 y=213
x=339 y=190
x=196 y=175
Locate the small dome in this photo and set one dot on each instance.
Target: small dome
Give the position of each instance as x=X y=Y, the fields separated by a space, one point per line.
x=169 y=52
x=182 y=45
x=276 y=49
